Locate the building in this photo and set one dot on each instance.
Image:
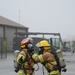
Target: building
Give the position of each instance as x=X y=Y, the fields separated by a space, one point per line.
x=7 y=30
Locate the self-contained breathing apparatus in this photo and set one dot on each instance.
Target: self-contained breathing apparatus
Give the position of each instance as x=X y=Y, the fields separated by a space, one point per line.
x=16 y=65
x=61 y=60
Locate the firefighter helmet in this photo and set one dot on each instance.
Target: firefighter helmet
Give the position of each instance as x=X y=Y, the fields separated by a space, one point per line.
x=27 y=42
x=45 y=44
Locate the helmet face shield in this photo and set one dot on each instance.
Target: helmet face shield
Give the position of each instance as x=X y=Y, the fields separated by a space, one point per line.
x=38 y=45
x=30 y=40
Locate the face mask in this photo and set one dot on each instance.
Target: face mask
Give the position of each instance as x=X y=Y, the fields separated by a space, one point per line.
x=41 y=50
x=30 y=48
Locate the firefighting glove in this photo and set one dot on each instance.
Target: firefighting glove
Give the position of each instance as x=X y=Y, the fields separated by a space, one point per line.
x=20 y=60
x=16 y=70
x=64 y=70
x=55 y=67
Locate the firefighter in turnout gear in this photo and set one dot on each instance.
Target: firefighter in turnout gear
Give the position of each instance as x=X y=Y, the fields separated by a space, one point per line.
x=46 y=58
x=24 y=61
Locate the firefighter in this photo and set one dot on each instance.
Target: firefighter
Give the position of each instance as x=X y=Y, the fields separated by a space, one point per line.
x=24 y=61
x=46 y=58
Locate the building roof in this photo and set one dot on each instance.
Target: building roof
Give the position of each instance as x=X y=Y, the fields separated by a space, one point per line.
x=5 y=21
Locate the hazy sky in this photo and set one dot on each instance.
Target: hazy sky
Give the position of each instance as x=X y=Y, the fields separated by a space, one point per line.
x=42 y=15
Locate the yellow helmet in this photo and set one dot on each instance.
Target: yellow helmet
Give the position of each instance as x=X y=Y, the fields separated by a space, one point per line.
x=45 y=44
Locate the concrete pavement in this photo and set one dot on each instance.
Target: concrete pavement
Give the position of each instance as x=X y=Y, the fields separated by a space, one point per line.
x=7 y=68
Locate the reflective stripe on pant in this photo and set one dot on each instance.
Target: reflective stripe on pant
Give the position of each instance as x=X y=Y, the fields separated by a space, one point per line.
x=21 y=72
x=53 y=73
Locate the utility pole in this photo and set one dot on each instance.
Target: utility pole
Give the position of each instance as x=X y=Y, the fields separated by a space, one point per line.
x=19 y=16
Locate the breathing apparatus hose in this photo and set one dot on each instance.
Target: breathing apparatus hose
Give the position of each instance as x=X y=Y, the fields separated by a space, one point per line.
x=37 y=68
x=43 y=70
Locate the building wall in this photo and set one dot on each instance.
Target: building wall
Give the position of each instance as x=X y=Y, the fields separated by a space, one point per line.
x=10 y=35
x=1 y=31
x=8 y=32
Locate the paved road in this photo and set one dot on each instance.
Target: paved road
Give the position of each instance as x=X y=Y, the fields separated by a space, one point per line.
x=6 y=65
